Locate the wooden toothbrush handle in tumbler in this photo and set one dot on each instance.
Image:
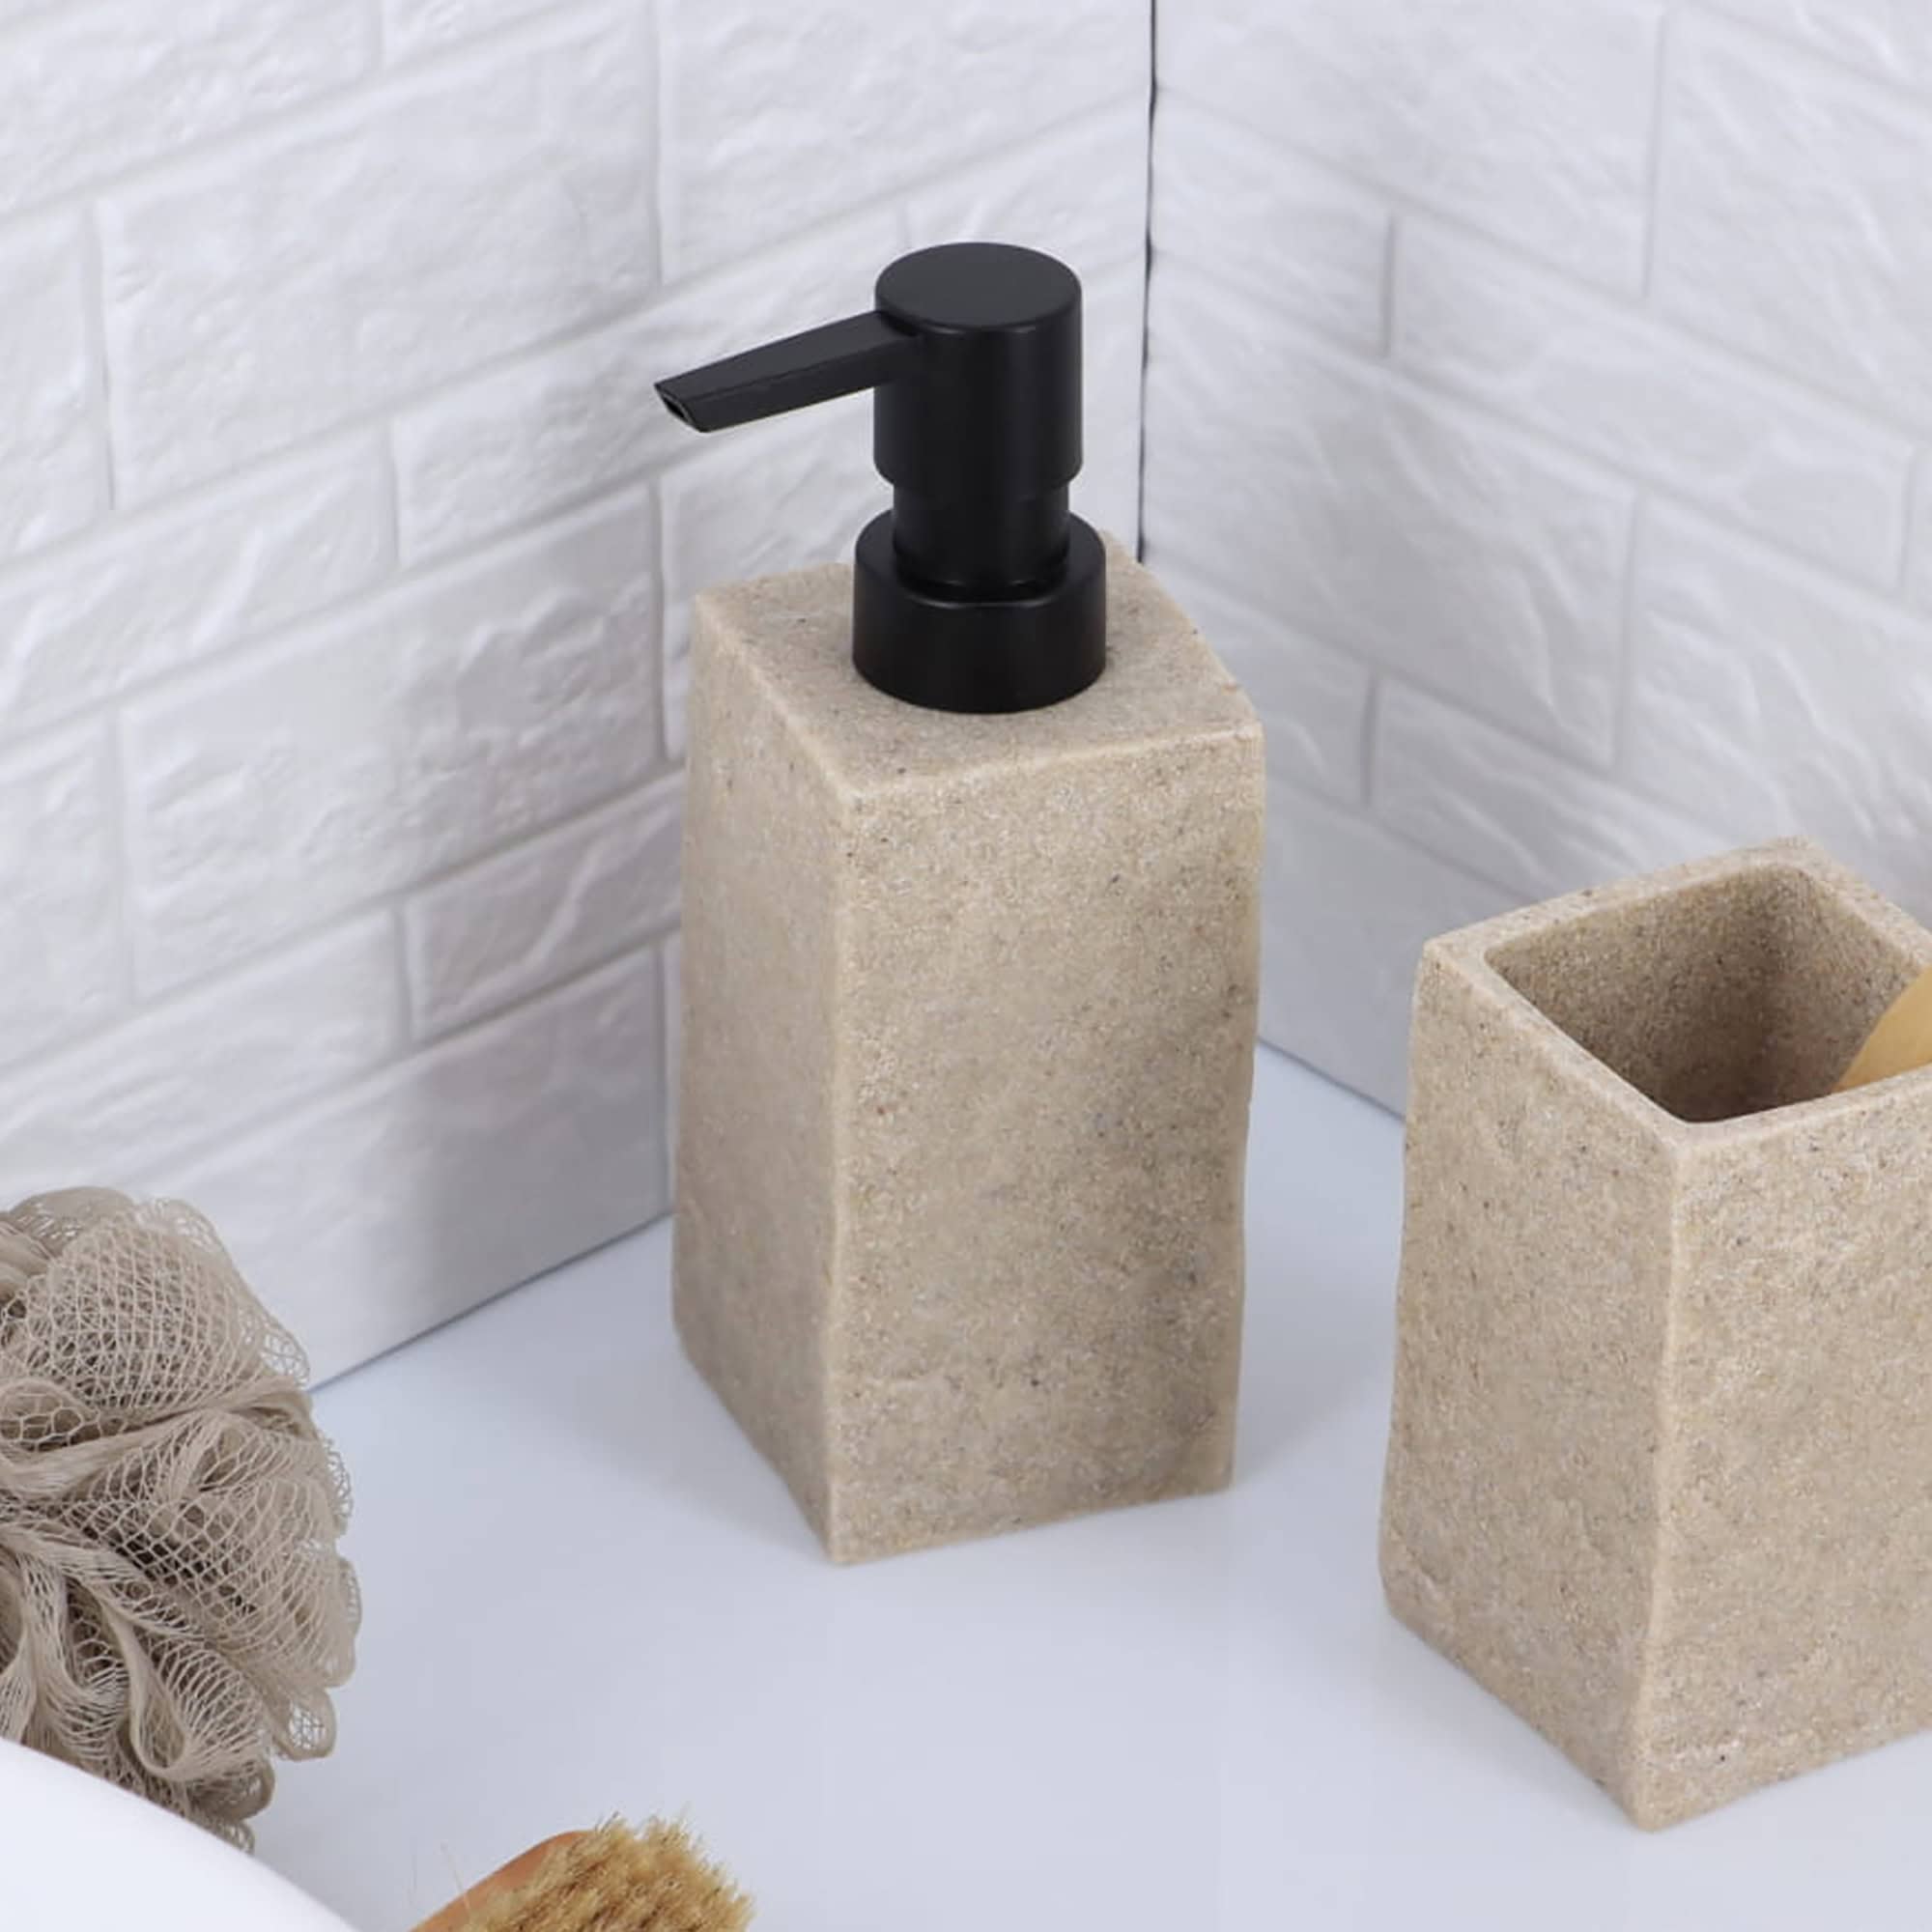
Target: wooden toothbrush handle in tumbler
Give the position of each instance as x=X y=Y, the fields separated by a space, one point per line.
x=1900 y=1042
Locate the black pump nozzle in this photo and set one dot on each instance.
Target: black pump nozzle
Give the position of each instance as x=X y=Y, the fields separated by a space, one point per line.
x=833 y=359
x=978 y=591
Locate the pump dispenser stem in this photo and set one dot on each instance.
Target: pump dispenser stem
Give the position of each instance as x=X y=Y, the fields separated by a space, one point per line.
x=978 y=590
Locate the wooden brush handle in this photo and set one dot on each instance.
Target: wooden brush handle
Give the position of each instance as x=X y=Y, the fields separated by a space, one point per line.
x=1901 y=1041
x=521 y=1869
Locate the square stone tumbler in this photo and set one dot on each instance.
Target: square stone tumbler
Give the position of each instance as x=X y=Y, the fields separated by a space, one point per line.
x=969 y=1022
x=1660 y=1467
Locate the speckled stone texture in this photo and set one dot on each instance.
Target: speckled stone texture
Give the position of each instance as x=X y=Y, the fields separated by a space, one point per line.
x=968 y=1035
x=1661 y=1468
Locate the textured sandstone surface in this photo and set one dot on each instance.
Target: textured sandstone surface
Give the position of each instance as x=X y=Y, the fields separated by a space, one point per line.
x=969 y=1020
x=1660 y=1467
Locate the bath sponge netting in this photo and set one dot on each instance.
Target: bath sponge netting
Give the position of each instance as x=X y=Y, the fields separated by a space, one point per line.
x=173 y=1611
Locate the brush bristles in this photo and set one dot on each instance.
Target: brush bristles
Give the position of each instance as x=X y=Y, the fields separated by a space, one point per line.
x=617 y=1880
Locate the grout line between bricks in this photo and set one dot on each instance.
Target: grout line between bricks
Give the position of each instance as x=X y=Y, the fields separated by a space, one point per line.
x=1919 y=474
x=120 y=839
x=389 y=505
x=1391 y=256
x=1626 y=623
x=1372 y=715
x=663 y=137
x=1653 y=172
x=100 y=377
x=399 y=971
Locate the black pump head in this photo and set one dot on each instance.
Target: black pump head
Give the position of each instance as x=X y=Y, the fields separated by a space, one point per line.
x=978 y=590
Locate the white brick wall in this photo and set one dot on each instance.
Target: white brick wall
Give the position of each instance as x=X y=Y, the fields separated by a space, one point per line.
x=53 y=478
x=345 y=558
x=1537 y=401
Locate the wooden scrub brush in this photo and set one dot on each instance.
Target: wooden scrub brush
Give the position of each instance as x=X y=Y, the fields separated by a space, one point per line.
x=610 y=1880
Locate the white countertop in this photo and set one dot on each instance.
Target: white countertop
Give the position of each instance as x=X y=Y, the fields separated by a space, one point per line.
x=586 y=1595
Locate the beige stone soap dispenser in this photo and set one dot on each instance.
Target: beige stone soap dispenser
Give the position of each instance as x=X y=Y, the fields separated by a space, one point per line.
x=971 y=855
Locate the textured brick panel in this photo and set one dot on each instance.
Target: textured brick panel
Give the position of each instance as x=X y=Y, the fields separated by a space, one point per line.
x=415 y=26
x=367 y=756
x=525 y=919
x=147 y=597
x=1312 y=701
x=1509 y=811
x=469 y=213
x=559 y=425
x=331 y=673
x=1569 y=696
x=1888 y=38
x=1295 y=237
x=1347 y=908
x=61 y=969
x=800 y=496
x=1424 y=536
x=51 y=474
x=1791 y=221
x=186 y=1073
x=453 y=1176
x=1644 y=398
x=1531 y=119
x=1040 y=191
x=751 y=155
x=87 y=91
x=1796 y=705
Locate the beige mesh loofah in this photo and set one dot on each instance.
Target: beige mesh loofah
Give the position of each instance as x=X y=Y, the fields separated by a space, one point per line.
x=172 y=1609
